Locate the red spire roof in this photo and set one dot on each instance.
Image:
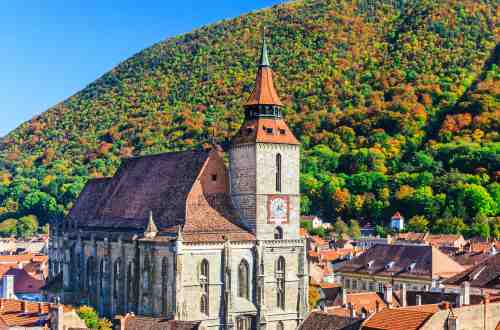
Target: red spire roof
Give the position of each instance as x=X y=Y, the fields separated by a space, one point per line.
x=264 y=92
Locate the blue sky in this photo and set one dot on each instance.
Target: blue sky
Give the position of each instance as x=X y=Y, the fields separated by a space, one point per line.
x=51 y=49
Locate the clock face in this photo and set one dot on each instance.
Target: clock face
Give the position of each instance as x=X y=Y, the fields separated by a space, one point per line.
x=278 y=209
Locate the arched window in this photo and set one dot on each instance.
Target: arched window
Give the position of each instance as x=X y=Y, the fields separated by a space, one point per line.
x=280 y=326
x=131 y=285
x=243 y=280
x=164 y=284
x=278 y=172
x=278 y=233
x=280 y=277
x=204 y=272
x=204 y=281
x=204 y=304
x=90 y=273
x=116 y=279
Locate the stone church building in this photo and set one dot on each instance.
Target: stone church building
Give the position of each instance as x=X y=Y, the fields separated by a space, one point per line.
x=180 y=235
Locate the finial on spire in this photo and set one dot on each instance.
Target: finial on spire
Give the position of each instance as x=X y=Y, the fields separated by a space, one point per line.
x=264 y=58
x=151 y=229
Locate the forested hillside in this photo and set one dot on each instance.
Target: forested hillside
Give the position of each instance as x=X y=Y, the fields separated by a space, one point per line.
x=397 y=104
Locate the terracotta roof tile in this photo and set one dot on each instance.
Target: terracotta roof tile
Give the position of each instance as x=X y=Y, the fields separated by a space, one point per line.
x=264 y=92
x=408 y=318
x=265 y=130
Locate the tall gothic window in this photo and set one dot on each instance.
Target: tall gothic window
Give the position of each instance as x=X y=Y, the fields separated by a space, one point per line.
x=278 y=172
x=243 y=280
x=131 y=285
x=280 y=277
x=116 y=280
x=164 y=284
x=90 y=273
x=278 y=233
x=204 y=281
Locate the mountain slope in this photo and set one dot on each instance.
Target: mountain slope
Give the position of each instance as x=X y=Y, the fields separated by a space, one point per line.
x=380 y=95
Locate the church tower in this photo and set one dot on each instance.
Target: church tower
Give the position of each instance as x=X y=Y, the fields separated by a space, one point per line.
x=264 y=163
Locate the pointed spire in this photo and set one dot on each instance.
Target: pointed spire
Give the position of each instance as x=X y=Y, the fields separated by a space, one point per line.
x=264 y=92
x=264 y=58
x=151 y=230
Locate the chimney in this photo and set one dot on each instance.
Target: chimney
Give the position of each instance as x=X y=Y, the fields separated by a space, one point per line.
x=388 y=293
x=452 y=322
x=8 y=287
x=402 y=294
x=419 y=300
x=352 y=311
x=377 y=306
x=344 y=297
x=465 y=293
x=24 y=306
x=486 y=298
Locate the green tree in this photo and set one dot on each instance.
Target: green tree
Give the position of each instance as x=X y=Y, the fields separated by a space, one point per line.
x=27 y=226
x=418 y=224
x=354 y=229
x=480 y=227
x=8 y=227
x=340 y=227
x=449 y=226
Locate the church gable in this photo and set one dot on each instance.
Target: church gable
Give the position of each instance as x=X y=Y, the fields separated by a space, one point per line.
x=210 y=213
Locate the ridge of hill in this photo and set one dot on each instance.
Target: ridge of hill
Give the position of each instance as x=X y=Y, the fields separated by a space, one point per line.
x=396 y=103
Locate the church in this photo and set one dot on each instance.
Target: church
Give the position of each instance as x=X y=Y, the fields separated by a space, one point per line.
x=182 y=236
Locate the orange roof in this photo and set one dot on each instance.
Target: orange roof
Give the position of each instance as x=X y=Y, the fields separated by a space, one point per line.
x=318 y=240
x=265 y=130
x=408 y=318
x=331 y=255
x=12 y=313
x=264 y=92
x=367 y=300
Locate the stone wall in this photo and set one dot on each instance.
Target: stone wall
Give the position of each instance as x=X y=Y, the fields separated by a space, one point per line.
x=242 y=174
x=473 y=317
x=266 y=185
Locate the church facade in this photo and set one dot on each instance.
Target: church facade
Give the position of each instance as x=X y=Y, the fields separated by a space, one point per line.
x=180 y=235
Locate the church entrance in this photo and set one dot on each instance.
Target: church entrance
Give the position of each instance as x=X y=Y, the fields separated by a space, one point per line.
x=245 y=323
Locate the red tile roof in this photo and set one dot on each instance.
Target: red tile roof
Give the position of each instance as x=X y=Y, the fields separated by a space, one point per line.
x=264 y=92
x=264 y=130
x=407 y=318
x=17 y=313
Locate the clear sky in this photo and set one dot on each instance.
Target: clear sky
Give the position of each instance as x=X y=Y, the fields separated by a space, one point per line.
x=51 y=49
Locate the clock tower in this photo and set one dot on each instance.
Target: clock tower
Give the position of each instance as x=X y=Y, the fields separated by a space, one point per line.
x=265 y=163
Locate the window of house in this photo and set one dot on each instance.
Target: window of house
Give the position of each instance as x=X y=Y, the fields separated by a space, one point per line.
x=282 y=131
x=214 y=177
x=280 y=277
x=243 y=280
x=381 y=287
x=269 y=130
x=280 y=326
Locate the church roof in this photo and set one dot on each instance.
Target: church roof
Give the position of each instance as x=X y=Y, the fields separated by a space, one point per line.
x=265 y=130
x=264 y=92
x=164 y=184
